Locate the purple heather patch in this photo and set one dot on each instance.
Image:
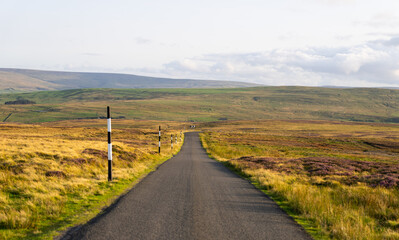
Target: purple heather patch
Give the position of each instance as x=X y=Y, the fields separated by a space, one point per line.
x=349 y=171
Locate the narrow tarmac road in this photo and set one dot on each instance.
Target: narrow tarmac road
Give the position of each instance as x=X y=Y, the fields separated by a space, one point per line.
x=192 y=197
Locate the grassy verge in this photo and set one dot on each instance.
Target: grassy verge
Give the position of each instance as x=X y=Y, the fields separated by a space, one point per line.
x=309 y=225
x=55 y=176
x=338 y=180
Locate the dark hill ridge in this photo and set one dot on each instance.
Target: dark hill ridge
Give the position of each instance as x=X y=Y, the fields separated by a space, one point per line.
x=34 y=80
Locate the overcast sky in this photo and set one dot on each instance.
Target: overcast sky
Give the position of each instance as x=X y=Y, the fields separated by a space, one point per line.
x=285 y=42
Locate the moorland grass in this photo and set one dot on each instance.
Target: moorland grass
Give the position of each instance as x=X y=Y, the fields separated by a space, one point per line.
x=370 y=105
x=342 y=178
x=53 y=176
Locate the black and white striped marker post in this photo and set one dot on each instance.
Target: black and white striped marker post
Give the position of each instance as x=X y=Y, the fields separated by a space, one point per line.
x=159 y=141
x=176 y=139
x=171 y=141
x=109 y=145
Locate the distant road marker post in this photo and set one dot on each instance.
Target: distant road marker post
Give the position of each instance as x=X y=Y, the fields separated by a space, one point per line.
x=171 y=141
x=109 y=145
x=159 y=140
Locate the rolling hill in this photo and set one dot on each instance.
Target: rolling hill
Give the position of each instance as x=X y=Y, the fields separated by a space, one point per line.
x=362 y=104
x=23 y=80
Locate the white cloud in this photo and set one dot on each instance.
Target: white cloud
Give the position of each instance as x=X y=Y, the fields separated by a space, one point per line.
x=351 y=62
x=91 y=54
x=371 y=64
x=334 y=2
x=140 y=40
x=393 y=42
x=384 y=19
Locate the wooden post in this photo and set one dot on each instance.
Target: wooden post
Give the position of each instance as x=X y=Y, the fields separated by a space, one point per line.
x=171 y=141
x=109 y=145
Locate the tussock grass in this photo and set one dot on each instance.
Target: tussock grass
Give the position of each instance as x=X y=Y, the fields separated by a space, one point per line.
x=55 y=175
x=275 y=156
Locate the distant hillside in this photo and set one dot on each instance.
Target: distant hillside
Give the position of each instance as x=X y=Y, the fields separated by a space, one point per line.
x=12 y=80
x=349 y=104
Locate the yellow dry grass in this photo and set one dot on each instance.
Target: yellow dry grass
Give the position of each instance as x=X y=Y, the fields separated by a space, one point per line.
x=51 y=172
x=337 y=210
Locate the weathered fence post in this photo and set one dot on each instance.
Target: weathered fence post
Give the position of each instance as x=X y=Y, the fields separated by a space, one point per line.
x=159 y=141
x=171 y=141
x=109 y=145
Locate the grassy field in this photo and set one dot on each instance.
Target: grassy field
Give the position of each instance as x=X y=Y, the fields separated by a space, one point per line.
x=338 y=179
x=370 y=105
x=54 y=175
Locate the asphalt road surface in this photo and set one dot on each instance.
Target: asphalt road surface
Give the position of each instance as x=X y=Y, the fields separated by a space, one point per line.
x=192 y=197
